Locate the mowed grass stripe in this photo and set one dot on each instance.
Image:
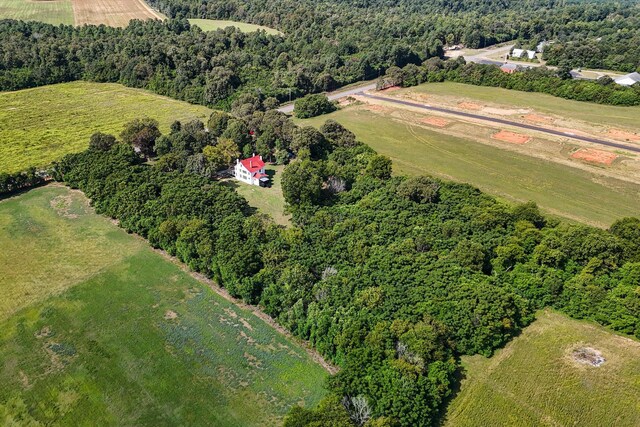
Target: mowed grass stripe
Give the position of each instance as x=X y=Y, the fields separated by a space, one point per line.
x=561 y=190
x=49 y=11
x=534 y=380
x=40 y=125
x=139 y=342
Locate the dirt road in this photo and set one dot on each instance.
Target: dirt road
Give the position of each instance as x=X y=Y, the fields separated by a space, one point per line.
x=502 y=122
x=341 y=93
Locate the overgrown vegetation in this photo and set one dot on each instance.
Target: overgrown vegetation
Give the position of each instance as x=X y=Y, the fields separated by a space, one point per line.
x=390 y=278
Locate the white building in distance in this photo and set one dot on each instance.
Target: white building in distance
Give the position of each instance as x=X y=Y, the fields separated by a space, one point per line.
x=251 y=171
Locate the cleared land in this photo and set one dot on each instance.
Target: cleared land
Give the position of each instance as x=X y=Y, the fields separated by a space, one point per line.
x=537 y=381
x=66 y=115
x=51 y=11
x=416 y=148
x=114 y=13
x=125 y=337
x=269 y=200
x=213 y=24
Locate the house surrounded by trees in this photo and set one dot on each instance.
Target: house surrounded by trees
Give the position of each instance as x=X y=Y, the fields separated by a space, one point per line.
x=251 y=171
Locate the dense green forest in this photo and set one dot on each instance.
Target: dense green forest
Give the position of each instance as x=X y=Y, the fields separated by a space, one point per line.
x=536 y=79
x=391 y=278
x=326 y=44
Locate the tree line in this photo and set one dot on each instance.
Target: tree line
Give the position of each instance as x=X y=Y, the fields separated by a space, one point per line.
x=320 y=50
x=392 y=278
x=535 y=79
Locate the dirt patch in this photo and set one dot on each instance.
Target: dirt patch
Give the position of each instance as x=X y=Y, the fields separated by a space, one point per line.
x=470 y=106
x=511 y=137
x=592 y=155
x=624 y=135
x=252 y=360
x=537 y=118
x=588 y=356
x=62 y=206
x=377 y=108
x=170 y=315
x=503 y=111
x=391 y=89
x=435 y=121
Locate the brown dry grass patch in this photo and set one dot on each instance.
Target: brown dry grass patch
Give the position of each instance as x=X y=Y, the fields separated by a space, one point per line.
x=511 y=137
x=592 y=155
x=114 y=13
x=435 y=121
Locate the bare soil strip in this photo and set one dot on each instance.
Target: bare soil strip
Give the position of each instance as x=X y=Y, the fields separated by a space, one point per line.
x=114 y=13
x=592 y=155
x=511 y=137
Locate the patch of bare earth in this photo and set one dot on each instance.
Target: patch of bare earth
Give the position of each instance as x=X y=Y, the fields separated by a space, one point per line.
x=170 y=315
x=62 y=206
x=435 y=121
x=511 y=137
x=588 y=356
x=592 y=155
x=537 y=118
x=470 y=106
x=390 y=89
x=377 y=108
x=114 y=13
x=624 y=135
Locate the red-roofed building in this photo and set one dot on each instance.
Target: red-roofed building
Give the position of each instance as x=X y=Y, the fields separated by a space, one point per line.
x=251 y=171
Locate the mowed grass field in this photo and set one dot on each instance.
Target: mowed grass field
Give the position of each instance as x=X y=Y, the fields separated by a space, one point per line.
x=40 y=125
x=214 y=24
x=627 y=117
x=49 y=11
x=535 y=381
x=122 y=336
x=268 y=200
x=560 y=190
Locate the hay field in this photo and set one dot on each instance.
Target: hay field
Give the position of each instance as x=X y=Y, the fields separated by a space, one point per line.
x=40 y=125
x=214 y=24
x=537 y=381
x=582 y=194
x=52 y=12
x=114 y=13
x=124 y=336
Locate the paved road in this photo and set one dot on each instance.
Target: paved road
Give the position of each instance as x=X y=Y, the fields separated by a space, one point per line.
x=504 y=122
x=335 y=95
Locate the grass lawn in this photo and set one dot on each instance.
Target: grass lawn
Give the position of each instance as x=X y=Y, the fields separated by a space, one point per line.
x=542 y=103
x=40 y=125
x=122 y=336
x=213 y=24
x=535 y=381
x=558 y=189
x=50 y=11
x=267 y=200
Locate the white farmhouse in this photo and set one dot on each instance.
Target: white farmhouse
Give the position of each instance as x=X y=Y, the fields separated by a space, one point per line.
x=251 y=171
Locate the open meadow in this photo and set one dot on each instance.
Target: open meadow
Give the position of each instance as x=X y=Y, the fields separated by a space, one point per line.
x=583 y=194
x=214 y=24
x=40 y=125
x=537 y=380
x=52 y=12
x=98 y=329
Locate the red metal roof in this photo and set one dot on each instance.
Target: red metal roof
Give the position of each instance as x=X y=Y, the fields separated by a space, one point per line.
x=253 y=164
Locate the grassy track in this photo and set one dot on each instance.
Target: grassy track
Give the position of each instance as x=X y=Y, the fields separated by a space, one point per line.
x=542 y=103
x=561 y=190
x=534 y=381
x=40 y=125
x=212 y=25
x=52 y=11
x=267 y=200
x=132 y=341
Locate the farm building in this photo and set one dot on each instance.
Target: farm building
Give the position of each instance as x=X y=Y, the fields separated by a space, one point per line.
x=628 y=79
x=251 y=171
x=509 y=68
x=521 y=53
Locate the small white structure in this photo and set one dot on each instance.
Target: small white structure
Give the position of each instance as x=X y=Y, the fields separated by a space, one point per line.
x=251 y=171
x=521 y=53
x=629 y=79
x=531 y=54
